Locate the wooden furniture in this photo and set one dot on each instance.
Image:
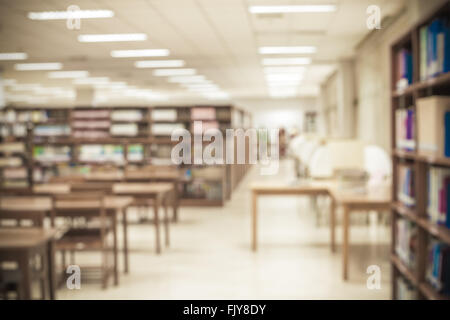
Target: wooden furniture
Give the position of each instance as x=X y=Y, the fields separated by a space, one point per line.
x=349 y=201
x=37 y=207
x=420 y=163
x=22 y=245
x=156 y=192
x=25 y=208
x=92 y=206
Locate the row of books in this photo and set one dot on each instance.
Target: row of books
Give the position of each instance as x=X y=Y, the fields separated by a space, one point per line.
x=438 y=266
x=405 y=189
x=52 y=130
x=52 y=153
x=434 y=45
x=406 y=242
x=438 y=210
x=405 y=129
x=13 y=130
x=404 y=72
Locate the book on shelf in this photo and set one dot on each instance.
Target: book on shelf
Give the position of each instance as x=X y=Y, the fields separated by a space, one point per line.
x=101 y=153
x=404 y=72
x=164 y=115
x=405 y=290
x=135 y=152
x=405 y=129
x=203 y=113
x=433 y=125
x=127 y=115
x=15 y=173
x=10 y=161
x=165 y=129
x=91 y=114
x=405 y=191
x=52 y=130
x=434 y=43
x=52 y=153
x=124 y=129
x=12 y=147
x=200 y=127
x=90 y=134
x=93 y=124
x=437 y=271
x=438 y=211
x=406 y=242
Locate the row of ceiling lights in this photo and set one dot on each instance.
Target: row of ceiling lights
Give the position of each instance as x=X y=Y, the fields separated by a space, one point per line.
x=282 y=82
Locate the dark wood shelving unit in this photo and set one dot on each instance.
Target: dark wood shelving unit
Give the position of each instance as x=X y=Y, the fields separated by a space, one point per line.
x=406 y=98
x=232 y=174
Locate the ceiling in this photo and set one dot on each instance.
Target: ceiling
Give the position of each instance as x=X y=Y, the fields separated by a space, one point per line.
x=219 y=38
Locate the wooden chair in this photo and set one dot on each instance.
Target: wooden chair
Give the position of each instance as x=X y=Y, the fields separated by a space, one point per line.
x=90 y=236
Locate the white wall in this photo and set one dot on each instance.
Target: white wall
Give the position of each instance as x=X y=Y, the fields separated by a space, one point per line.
x=278 y=113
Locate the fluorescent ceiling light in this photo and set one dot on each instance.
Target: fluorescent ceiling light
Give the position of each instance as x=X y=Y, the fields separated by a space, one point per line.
x=188 y=79
x=94 y=80
x=67 y=74
x=159 y=64
x=287 y=50
x=38 y=66
x=293 y=8
x=140 y=53
x=70 y=14
x=174 y=72
x=13 y=56
x=285 y=61
x=269 y=70
x=112 y=37
x=284 y=77
x=199 y=85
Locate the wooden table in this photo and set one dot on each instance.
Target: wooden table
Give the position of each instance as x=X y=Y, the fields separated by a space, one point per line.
x=37 y=207
x=25 y=207
x=350 y=202
x=158 y=193
x=379 y=200
x=158 y=176
x=21 y=244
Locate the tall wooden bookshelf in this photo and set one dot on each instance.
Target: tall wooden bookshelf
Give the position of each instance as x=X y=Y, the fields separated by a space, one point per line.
x=420 y=163
x=63 y=137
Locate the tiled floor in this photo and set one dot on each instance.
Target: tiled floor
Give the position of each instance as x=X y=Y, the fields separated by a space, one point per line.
x=210 y=256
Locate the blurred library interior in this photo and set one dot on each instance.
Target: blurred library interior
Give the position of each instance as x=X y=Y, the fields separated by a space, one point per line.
x=225 y=149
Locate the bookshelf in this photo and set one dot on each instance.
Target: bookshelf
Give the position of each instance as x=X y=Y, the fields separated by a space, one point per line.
x=75 y=141
x=418 y=238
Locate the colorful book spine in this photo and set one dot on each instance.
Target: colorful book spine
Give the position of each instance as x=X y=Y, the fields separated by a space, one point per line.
x=405 y=192
x=438 y=210
x=434 y=42
x=405 y=129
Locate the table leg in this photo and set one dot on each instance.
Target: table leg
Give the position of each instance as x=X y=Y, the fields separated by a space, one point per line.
x=51 y=269
x=24 y=266
x=125 y=239
x=175 y=203
x=254 y=221
x=155 y=209
x=115 y=249
x=166 y=222
x=345 y=243
x=333 y=225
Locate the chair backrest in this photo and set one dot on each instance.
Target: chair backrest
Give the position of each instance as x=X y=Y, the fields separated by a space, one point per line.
x=79 y=204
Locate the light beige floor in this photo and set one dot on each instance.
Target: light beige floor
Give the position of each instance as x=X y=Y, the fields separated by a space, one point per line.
x=210 y=255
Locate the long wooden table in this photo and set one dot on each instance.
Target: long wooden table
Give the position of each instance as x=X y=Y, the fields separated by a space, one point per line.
x=20 y=245
x=157 y=193
x=349 y=201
